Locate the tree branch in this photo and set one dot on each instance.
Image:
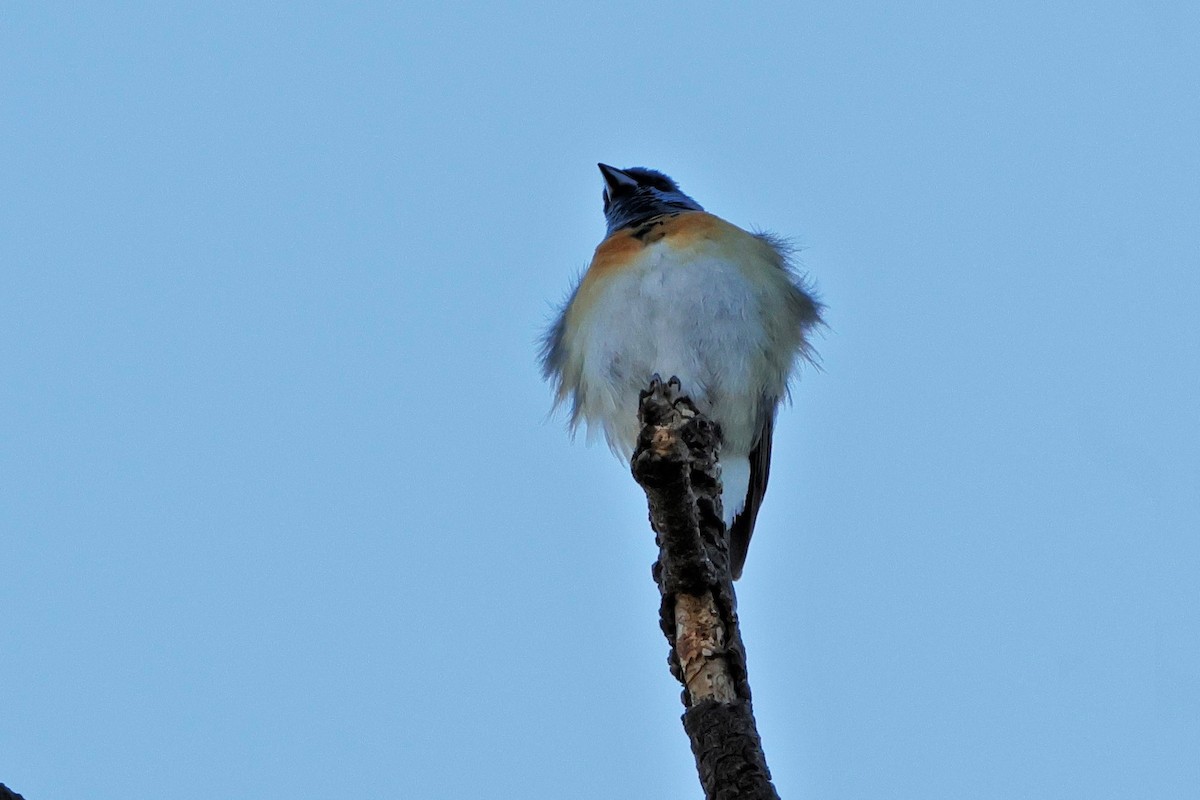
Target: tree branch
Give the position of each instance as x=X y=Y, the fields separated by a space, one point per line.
x=675 y=462
x=8 y=794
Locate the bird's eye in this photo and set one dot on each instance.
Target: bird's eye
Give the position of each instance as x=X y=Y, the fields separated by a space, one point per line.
x=607 y=202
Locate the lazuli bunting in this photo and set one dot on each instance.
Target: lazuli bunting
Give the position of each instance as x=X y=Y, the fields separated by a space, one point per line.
x=675 y=291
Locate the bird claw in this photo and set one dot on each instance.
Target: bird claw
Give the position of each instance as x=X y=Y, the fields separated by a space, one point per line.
x=654 y=388
x=671 y=393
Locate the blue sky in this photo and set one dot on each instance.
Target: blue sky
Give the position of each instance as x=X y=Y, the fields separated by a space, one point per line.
x=282 y=512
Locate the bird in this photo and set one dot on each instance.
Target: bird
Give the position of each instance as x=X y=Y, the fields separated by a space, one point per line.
x=673 y=290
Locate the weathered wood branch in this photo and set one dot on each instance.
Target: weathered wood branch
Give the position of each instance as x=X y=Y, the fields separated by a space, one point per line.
x=675 y=462
x=8 y=794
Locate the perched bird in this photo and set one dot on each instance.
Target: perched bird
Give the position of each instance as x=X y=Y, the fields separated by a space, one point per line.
x=679 y=292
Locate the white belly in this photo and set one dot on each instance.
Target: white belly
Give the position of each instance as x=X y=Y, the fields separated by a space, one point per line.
x=700 y=322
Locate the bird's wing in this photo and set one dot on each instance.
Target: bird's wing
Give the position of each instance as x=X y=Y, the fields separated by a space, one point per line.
x=760 y=470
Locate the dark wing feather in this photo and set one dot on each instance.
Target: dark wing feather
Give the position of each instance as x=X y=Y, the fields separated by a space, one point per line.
x=760 y=470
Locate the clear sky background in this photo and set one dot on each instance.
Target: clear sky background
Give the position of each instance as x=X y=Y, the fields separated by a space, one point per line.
x=282 y=513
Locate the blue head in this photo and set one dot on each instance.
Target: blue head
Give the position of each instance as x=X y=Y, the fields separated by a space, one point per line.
x=637 y=194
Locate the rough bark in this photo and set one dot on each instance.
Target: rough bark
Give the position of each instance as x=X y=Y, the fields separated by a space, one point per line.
x=675 y=462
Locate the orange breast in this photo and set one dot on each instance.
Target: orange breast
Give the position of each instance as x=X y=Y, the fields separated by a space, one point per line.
x=681 y=232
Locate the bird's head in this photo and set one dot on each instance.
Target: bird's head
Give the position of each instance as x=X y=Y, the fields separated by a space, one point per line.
x=637 y=194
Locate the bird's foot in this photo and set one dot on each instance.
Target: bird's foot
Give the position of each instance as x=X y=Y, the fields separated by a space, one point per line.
x=658 y=400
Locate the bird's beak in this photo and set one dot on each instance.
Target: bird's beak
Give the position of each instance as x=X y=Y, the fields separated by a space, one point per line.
x=615 y=179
